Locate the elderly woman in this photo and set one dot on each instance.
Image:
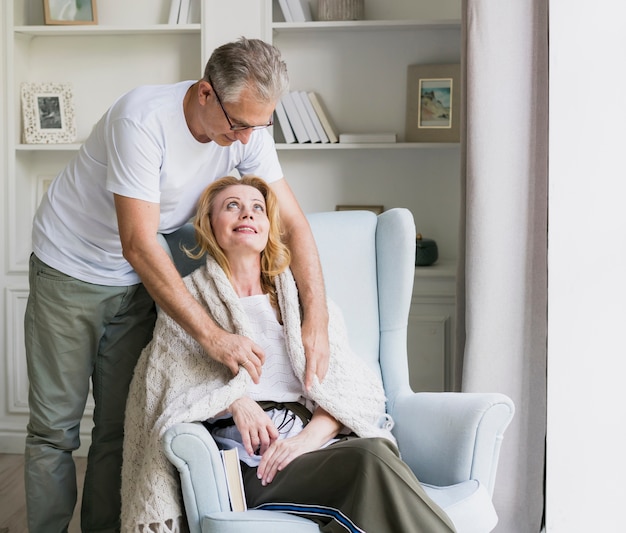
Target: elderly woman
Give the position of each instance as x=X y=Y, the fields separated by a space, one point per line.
x=325 y=452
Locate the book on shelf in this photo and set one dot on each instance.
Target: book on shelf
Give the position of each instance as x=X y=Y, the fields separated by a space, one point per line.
x=383 y=137
x=317 y=124
x=183 y=12
x=234 y=480
x=316 y=102
x=294 y=119
x=284 y=7
x=283 y=121
x=304 y=116
x=193 y=17
x=300 y=10
x=174 y=10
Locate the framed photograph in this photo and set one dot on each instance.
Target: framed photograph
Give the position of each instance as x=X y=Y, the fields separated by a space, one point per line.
x=377 y=209
x=70 y=12
x=48 y=113
x=433 y=103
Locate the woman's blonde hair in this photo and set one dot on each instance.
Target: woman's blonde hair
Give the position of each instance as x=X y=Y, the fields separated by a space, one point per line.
x=275 y=258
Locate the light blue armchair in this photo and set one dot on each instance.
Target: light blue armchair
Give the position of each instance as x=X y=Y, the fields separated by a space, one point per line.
x=450 y=440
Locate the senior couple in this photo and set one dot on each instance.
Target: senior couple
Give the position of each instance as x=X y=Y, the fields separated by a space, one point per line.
x=246 y=343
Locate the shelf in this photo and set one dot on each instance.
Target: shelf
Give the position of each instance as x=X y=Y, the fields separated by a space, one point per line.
x=442 y=268
x=362 y=25
x=61 y=147
x=365 y=146
x=70 y=147
x=87 y=30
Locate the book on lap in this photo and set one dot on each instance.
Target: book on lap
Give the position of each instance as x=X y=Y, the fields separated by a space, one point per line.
x=234 y=480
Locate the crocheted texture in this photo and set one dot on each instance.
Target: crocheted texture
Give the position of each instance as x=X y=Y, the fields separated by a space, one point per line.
x=177 y=381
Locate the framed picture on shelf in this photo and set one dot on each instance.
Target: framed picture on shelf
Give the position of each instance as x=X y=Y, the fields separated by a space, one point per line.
x=376 y=209
x=433 y=103
x=70 y=12
x=48 y=113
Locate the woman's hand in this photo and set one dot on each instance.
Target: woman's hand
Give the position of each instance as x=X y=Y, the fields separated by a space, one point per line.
x=281 y=453
x=257 y=430
x=318 y=431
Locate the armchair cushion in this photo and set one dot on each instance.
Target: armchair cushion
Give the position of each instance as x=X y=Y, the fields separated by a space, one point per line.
x=258 y=522
x=460 y=503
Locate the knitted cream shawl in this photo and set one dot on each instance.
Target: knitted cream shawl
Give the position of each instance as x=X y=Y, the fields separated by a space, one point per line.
x=176 y=381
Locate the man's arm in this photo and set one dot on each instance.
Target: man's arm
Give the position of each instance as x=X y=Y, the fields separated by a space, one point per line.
x=307 y=271
x=138 y=224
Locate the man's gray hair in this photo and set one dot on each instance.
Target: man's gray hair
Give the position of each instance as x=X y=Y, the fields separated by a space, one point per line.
x=247 y=63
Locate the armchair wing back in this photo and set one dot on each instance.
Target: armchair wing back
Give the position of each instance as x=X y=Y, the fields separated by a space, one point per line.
x=450 y=440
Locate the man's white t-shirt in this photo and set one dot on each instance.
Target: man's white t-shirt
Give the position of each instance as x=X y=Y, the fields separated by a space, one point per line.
x=141 y=148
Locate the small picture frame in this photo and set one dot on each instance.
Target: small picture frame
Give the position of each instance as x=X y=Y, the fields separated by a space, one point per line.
x=70 y=12
x=376 y=209
x=48 y=113
x=433 y=103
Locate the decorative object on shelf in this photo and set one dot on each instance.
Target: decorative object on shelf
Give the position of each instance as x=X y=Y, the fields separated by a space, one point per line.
x=70 y=12
x=340 y=9
x=48 y=113
x=426 y=252
x=433 y=103
x=376 y=209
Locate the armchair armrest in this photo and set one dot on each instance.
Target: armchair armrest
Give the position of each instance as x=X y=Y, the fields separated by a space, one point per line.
x=448 y=438
x=190 y=448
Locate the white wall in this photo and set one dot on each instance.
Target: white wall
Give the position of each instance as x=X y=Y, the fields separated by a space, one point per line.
x=586 y=468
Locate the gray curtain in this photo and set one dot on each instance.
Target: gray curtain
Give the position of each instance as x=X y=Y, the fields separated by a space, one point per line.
x=503 y=272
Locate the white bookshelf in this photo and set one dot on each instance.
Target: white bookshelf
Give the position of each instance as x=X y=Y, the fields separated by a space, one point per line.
x=363 y=25
x=131 y=45
x=111 y=29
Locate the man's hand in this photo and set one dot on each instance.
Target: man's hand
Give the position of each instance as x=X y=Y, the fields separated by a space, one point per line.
x=138 y=223
x=236 y=352
x=317 y=353
x=257 y=430
x=307 y=271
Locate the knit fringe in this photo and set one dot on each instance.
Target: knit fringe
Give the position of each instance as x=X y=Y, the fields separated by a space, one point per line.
x=171 y=525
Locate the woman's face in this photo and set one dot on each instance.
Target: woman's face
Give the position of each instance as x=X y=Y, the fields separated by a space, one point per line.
x=239 y=220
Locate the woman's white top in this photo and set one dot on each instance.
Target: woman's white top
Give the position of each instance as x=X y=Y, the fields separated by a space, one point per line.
x=278 y=382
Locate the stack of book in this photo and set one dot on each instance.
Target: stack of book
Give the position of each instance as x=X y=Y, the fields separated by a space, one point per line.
x=302 y=119
x=296 y=10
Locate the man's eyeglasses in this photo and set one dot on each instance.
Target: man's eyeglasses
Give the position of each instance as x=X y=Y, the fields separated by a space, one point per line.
x=237 y=127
